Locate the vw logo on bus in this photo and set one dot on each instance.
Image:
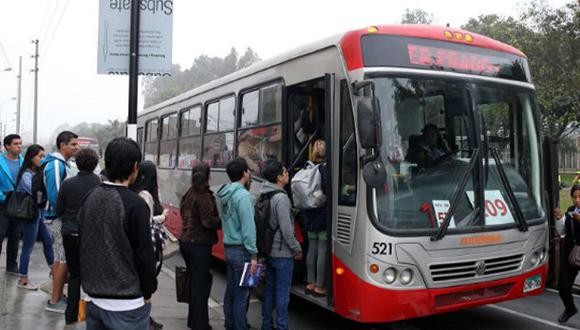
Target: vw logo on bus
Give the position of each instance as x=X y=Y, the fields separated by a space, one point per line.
x=480 y=268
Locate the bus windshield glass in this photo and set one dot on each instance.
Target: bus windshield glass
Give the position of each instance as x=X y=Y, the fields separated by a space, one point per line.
x=430 y=131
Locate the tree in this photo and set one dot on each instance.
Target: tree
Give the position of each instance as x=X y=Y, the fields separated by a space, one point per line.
x=104 y=133
x=203 y=70
x=550 y=37
x=416 y=16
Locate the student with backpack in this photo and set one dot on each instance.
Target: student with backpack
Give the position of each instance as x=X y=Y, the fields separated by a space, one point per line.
x=283 y=249
x=311 y=192
x=239 y=236
x=10 y=162
x=35 y=228
x=55 y=168
x=69 y=201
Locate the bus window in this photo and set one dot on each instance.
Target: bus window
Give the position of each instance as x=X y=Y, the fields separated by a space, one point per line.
x=348 y=154
x=260 y=133
x=218 y=145
x=152 y=138
x=190 y=141
x=168 y=147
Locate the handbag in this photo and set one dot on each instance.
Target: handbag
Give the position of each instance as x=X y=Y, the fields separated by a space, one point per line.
x=20 y=206
x=182 y=284
x=574 y=257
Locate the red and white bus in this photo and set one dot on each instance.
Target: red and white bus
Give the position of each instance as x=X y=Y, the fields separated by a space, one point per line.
x=435 y=201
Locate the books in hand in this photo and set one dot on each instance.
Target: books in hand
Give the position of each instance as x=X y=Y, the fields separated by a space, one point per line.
x=251 y=280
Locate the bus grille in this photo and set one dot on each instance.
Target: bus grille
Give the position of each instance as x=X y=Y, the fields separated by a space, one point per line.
x=475 y=268
x=343 y=228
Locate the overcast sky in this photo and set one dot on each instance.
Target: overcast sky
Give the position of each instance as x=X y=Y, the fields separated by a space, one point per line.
x=71 y=91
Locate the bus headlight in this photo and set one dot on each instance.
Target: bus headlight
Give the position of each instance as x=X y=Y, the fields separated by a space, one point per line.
x=390 y=275
x=406 y=276
x=538 y=257
x=534 y=259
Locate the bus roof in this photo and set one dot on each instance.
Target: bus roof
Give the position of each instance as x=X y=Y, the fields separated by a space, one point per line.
x=349 y=42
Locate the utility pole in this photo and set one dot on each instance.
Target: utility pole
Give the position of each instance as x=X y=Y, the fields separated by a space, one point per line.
x=19 y=95
x=133 y=71
x=35 y=70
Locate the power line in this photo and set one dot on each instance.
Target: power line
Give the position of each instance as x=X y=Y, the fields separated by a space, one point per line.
x=5 y=56
x=49 y=43
x=44 y=17
x=50 y=21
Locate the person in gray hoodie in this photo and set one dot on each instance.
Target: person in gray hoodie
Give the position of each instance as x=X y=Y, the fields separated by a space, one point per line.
x=285 y=248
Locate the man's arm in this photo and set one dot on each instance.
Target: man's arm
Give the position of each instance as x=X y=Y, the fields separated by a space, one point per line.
x=54 y=173
x=246 y=214
x=140 y=238
x=283 y=213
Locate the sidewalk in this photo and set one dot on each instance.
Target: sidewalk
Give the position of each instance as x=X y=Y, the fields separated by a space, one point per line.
x=23 y=309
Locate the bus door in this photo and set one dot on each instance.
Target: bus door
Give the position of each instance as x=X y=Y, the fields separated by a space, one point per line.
x=308 y=118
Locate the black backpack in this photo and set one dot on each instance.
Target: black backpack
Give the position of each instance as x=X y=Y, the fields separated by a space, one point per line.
x=38 y=188
x=264 y=232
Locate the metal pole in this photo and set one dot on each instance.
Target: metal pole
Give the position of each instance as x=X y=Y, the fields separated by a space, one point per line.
x=133 y=71
x=35 y=70
x=19 y=95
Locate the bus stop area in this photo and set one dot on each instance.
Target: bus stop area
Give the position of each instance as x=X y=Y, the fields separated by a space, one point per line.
x=24 y=309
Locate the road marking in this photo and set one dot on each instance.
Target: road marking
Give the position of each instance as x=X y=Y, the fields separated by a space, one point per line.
x=533 y=318
x=556 y=291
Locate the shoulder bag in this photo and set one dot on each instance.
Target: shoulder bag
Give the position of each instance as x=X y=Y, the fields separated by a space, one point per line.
x=574 y=257
x=20 y=205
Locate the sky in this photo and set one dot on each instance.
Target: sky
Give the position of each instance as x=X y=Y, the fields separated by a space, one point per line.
x=70 y=90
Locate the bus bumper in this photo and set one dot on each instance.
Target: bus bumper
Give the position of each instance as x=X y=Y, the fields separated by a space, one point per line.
x=363 y=302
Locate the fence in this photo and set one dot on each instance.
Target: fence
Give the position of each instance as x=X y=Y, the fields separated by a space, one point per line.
x=569 y=161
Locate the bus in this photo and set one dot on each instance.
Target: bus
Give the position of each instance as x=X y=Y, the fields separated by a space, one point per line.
x=92 y=143
x=436 y=198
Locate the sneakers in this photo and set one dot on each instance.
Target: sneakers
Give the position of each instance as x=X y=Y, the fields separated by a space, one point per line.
x=566 y=315
x=27 y=286
x=59 y=307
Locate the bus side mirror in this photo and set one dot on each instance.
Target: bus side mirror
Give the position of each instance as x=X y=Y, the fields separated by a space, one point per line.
x=369 y=120
x=375 y=174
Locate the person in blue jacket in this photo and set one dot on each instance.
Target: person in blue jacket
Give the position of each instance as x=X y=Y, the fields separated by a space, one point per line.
x=239 y=236
x=55 y=169
x=10 y=162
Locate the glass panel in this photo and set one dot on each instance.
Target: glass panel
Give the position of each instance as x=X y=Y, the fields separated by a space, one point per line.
x=420 y=154
x=164 y=128
x=218 y=149
x=257 y=145
x=172 y=132
x=348 y=154
x=212 y=117
x=250 y=108
x=151 y=144
x=509 y=126
x=270 y=104
x=140 y=137
x=152 y=131
x=167 y=156
x=189 y=152
x=184 y=128
x=227 y=114
x=195 y=121
x=151 y=151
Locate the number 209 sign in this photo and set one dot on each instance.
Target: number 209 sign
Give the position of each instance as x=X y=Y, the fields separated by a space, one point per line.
x=497 y=211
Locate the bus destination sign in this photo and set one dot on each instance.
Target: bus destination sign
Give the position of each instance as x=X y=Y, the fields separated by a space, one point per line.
x=453 y=59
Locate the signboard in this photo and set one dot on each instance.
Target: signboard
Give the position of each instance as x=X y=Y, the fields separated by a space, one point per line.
x=441 y=207
x=155 y=37
x=497 y=211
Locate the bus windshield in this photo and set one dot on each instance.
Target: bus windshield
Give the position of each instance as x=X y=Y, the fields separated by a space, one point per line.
x=431 y=129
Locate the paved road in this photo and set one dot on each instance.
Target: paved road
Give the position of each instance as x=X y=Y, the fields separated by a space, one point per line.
x=531 y=313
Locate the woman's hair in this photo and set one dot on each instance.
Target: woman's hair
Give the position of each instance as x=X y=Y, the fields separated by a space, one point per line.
x=574 y=188
x=27 y=164
x=147 y=180
x=199 y=183
x=318 y=151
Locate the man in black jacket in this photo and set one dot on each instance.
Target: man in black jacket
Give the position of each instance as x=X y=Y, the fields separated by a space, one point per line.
x=117 y=258
x=70 y=196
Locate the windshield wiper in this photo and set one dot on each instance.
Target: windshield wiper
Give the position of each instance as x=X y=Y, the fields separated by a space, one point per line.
x=522 y=224
x=440 y=233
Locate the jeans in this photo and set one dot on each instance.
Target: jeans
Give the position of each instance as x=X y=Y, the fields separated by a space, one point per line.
x=198 y=261
x=236 y=297
x=277 y=292
x=32 y=230
x=72 y=246
x=100 y=319
x=12 y=229
x=316 y=258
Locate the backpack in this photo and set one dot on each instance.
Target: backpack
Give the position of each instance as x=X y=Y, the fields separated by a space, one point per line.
x=264 y=232
x=306 y=188
x=38 y=188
